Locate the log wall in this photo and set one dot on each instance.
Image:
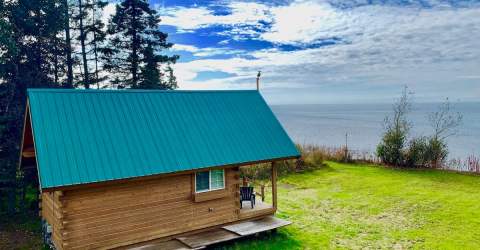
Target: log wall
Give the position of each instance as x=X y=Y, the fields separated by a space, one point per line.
x=122 y=214
x=52 y=211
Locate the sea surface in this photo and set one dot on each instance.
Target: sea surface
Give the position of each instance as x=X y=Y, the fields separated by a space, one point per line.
x=327 y=124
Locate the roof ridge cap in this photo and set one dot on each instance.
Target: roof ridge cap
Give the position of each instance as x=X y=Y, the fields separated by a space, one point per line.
x=129 y=91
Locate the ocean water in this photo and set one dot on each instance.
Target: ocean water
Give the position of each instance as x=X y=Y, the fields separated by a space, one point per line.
x=327 y=124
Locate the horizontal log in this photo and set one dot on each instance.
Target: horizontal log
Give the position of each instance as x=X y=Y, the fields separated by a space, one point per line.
x=125 y=213
x=112 y=210
x=146 y=234
x=149 y=215
x=143 y=195
x=129 y=187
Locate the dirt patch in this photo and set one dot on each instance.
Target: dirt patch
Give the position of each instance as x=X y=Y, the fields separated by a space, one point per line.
x=287 y=186
x=20 y=239
x=20 y=232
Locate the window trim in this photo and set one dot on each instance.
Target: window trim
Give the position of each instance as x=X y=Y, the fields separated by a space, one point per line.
x=209 y=181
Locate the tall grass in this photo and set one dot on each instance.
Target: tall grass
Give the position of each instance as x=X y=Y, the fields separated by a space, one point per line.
x=311 y=158
x=471 y=164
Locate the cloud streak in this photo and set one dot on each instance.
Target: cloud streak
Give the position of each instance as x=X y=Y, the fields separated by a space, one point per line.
x=430 y=47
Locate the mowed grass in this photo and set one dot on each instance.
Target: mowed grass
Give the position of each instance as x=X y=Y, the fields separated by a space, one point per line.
x=348 y=206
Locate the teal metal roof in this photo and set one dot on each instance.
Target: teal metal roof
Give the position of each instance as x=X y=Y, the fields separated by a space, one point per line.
x=87 y=136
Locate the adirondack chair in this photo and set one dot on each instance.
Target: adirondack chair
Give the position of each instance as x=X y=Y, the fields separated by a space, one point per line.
x=247 y=194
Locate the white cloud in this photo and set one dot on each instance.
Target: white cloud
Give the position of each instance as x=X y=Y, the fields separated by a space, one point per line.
x=205 y=52
x=108 y=11
x=382 y=46
x=244 y=16
x=303 y=22
x=184 y=47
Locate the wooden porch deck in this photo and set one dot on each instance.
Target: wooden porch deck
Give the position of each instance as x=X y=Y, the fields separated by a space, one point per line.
x=260 y=208
x=216 y=235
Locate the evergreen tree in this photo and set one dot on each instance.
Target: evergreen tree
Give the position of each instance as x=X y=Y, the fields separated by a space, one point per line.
x=91 y=34
x=171 y=79
x=82 y=37
x=150 y=75
x=68 y=44
x=96 y=28
x=135 y=43
x=29 y=35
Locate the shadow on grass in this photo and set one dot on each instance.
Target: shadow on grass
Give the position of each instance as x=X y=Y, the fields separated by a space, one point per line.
x=268 y=240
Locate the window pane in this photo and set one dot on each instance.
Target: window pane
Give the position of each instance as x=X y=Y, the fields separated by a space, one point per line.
x=217 y=179
x=201 y=181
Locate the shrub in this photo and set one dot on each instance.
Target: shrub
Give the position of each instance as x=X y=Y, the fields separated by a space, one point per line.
x=390 y=150
x=416 y=155
x=312 y=157
x=437 y=152
x=313 y=160
x=256 y=172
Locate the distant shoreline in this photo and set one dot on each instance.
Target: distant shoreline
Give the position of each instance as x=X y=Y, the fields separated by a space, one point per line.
x=326 y=125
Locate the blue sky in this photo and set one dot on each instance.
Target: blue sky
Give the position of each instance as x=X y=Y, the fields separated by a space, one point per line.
x=315 y=51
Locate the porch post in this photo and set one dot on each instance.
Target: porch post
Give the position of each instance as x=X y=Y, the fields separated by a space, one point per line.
x=274 y=185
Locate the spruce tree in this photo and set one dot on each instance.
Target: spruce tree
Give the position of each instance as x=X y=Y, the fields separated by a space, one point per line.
x=68 y=43
x=150 y=73
x=30 y=32
x=91 y=35
x=135 y=44
x=171 y=79
x=96 y=28
x=82 y=37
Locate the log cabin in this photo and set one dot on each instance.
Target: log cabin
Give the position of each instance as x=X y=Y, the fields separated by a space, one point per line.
x=122 y=168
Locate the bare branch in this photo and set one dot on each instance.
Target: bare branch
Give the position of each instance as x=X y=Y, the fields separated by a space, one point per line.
x=445 y=122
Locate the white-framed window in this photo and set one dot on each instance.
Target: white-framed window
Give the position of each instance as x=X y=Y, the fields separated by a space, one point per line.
x=209 y=180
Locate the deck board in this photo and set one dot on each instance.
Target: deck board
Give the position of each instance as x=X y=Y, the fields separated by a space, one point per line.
x=256 y=226
x=259 y=205
x=165 y=245
x=203 y=239
x=208 y=238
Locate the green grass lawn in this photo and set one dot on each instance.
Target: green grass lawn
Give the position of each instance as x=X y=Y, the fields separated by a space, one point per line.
x=350 y=206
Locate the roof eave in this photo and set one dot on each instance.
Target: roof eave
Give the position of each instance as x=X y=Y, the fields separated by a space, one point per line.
x=154 y=176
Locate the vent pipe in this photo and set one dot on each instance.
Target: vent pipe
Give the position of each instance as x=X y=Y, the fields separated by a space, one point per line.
x=258 y=80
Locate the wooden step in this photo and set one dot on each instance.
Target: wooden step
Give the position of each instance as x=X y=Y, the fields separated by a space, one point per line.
x=206 y=238
x=256 y=226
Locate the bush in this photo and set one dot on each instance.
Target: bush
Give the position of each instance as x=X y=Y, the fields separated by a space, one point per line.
x=312 y=157
x=426 y=152
x=390 y=150
x=416 y=155
x=421 y=151
x=437 y=152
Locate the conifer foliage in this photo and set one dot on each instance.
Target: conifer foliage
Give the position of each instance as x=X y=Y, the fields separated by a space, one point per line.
x=65 y=44
x=91 y=34
x=135 y=43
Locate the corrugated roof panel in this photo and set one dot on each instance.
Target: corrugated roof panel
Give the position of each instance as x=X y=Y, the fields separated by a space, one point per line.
x=85 y=136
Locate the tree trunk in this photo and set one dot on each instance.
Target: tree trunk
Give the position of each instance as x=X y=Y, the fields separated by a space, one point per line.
x=95 y=44
x=55 y=62
x=135 y=46
x=86 y=81
x=68 y=47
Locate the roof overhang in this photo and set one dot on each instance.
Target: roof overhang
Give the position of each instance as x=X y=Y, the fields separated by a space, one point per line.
x=163 y=175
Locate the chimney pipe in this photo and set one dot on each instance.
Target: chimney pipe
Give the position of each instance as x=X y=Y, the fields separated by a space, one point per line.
x=258 y=80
